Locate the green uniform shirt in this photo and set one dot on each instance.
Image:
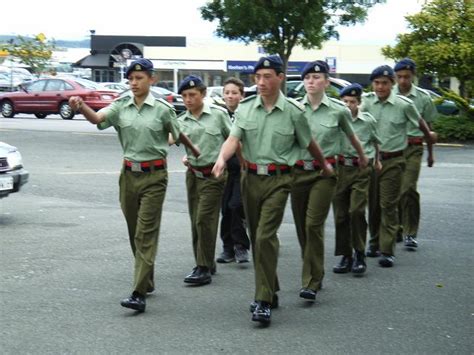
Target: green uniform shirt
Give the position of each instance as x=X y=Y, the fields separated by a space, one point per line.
x=365 y=127
x=208 y=133
x=392 y=116
x=329 y=122
x=423 y=104
x=271 y=137
x=143 y=132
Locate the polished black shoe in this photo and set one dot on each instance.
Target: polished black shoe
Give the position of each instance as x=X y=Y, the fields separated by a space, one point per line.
x=135 y=301
x=241 y=255
x=386 y=260
x=262 y=312
x=359 y=266
x=410 y=241
x=273 y=305
x=308 y=294
x=372 y=252
x=344 y=266
x=200 y=275
x=225 y=257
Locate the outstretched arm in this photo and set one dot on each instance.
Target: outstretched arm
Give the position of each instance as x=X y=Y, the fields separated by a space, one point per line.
x=228 y=149
x=77 y=104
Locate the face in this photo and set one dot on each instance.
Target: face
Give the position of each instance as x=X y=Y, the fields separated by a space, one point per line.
x=351 y=102
x=404 y=79
x=382 y=87
x=140 y=83
x=315 y=83
x=193 y=99
x=268 y=82
x=232 y=96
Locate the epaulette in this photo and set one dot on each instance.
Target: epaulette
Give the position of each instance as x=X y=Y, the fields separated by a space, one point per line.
x=368 y=94
x=218 y=107
x=249 y=98
x=163 y=101
x=296 y=103
x=123 y=98
x=404 y=98
x=339 y=102
x=182 y=114
x=423 y=91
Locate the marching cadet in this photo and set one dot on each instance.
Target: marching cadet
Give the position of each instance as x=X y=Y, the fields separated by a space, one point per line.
x=393 y=113
x=143 y=124
x=272 y=129
x=311 y=191
x=352 y=188
x=208 y=126
x=405 y=71
x=235 y=242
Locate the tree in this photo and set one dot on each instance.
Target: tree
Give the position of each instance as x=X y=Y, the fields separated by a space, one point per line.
x=279 y=25
x=441 y=41
x=34 y=52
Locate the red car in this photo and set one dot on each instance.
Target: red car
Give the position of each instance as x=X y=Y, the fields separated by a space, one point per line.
x=50 y=96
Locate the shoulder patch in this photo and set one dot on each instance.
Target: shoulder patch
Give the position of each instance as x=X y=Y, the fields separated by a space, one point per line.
x=165 y=103
x=249 y=98
x=298 y=104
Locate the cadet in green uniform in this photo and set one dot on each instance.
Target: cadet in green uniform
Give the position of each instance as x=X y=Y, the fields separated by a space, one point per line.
x=272 y=129
x=393 y=113
x=350 y=198
x=207 y=126
x=311 y=192
x=410 y=198
x=143 y=124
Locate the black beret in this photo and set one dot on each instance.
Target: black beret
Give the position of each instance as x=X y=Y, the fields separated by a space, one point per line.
x=383 y=70
x=351 y=90
x=405 y=64
x=318 y=66
x=141 y=64
x=190 y=82
x=270 y=62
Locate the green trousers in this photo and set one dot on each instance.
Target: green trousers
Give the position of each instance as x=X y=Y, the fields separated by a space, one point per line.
x=311 y=196
x=374 y=210
x=264 y=199
x=410 y=198
x=389 y=183
x=349 y=203
x=141 y=198
x=204 y=203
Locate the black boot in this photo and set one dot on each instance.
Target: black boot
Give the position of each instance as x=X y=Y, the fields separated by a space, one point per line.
x=359 y=266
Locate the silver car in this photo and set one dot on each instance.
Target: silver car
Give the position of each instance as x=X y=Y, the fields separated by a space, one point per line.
x=12 y=173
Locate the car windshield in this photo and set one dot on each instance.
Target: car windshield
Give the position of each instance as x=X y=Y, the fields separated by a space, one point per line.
x=87 y=84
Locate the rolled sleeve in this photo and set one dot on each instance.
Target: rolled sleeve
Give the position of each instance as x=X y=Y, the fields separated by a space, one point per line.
x=111 y=114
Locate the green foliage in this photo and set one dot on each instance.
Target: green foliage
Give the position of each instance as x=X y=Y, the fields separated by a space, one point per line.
x=441 y=41
x=279 y=25
x=34 y=52
x=454 y=128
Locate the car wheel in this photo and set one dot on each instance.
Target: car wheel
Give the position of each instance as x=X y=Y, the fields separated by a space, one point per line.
x=40 y=115
x=7 y=109
x=66 y=111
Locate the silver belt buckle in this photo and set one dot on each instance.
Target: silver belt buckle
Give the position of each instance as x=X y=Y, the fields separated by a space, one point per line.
x=136 y=167
x=308 y=165
x=199 y=174
x=262 y=169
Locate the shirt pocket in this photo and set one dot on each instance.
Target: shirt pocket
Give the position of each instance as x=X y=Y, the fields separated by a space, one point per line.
x=212 y=138
x=155 y=125
x=250 y=129
x=283 y=139
x=328 y=134
x=396 y=126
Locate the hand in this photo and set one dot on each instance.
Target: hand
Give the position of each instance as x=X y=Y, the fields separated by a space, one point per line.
x=185 y=161
x=378 y=166
x=430 y=161
x=218 y=167
x=433 y=138
x=328 y=171
x=75 y=102
x=364 y=162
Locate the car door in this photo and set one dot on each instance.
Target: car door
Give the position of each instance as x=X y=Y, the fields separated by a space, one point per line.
x=26 y=100
x=53 y=94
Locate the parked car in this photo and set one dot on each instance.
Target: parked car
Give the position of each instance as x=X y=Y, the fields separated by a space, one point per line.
x=118 y=87
x=12 y=173
x=50 y=96
x=9 y=83
x=446 y=107
x=162 y=93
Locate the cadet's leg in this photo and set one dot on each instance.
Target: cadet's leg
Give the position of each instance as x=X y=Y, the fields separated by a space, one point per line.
x=301 y=186
x=152 y=191
x=359 y=195
x=374 y=211
x=193 y=199
x=390 y=184
x=319 y=203
x=129 y=203
x=410 y=198
x=341 y=204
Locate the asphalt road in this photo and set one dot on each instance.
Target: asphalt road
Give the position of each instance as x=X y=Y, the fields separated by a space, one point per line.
x=66 y=264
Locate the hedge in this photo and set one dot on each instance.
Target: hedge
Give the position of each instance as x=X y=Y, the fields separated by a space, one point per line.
x=454 y=128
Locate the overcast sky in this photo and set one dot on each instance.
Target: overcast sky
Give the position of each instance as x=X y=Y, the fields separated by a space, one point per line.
x=73 y=20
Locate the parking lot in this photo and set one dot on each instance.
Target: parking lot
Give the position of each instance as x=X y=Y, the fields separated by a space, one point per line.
x=66 y=264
